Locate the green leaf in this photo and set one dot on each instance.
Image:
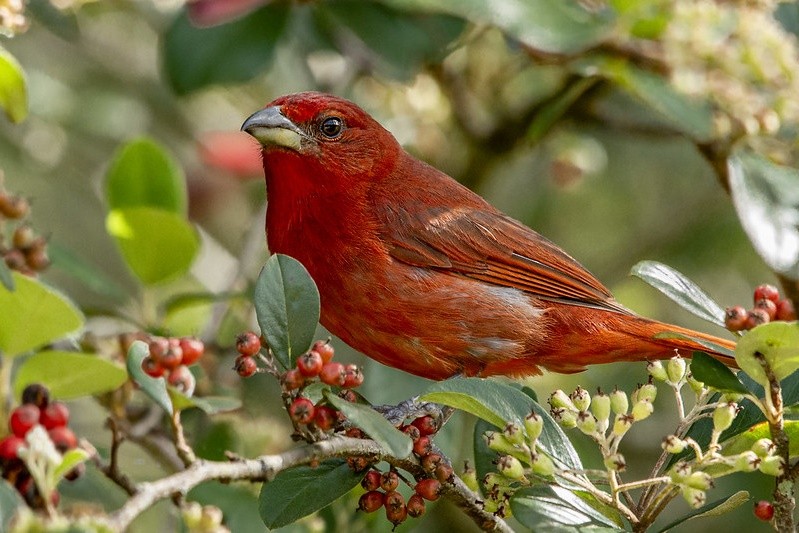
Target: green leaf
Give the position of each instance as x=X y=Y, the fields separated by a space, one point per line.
x=10 y=501
x=144 y=174
x=715 y=508
x=744 y=441
x=392 y=440
x=302 y=490
x=13 y=88
x=6 y=279
x=715 y=374
x=778 y=342
x=542 y=503
x=208 y=404
x=682 y=290
x=69 y=374
x=498 y=404
x=78 y=267
x=70 y=460
x=233 y=52
x=155 y=388
x=157 y=245
x=547 y=25
x=287 y=305
x=766 y=198
x=34 y=315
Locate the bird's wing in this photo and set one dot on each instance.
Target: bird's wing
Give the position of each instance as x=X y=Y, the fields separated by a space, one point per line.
x=486 y=245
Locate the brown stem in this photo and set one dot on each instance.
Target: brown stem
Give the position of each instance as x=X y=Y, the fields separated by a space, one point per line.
x=111 y=470
x=185 y=452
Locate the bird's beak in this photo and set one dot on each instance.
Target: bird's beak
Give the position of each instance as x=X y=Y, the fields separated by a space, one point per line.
x=271 y=128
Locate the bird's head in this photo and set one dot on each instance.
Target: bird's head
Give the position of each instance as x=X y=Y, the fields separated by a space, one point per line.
x=326 y=140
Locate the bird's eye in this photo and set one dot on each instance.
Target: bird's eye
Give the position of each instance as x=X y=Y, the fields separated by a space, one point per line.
x=331 y=127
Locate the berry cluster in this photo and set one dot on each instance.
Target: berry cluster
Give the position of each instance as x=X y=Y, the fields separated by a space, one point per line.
x=248 y=344
x=769 y=306
x=381 y=487
x=36 y=411
x=27 y=251
x=172 y=357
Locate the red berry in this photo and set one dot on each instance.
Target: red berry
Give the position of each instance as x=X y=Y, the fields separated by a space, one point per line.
x=152 y=367
x=349 y=396
x=427 y=425
x=310 y=364
x=63 y=438
x=325 y=349
x=756 y=317
x=429 y=489
x=411 y=431
x=354 y=433
x=357 y=464
x=23 y=418
x=245 y=366
x=769 y=292
x=444 y=472
x=292 y=379
x=353 y=376
x=422 y=446
x=9 y=447
x=393 y=499
x=430 y=462
x=415 y=506
x=324 y=417
x=159 y=346
x=54 y=415
x=173 y=357
x=333 y=374
x=389 y=480
x=301 y=411
x=764 y=510
x=183 y=380
x=36 y=394
x=371 y=481
x=735 y=318
x=768 y=306
x=371 y=501
x=193 y=349
x=248 y=343
x=785 y=310
x=13 y=207
x=396 y=511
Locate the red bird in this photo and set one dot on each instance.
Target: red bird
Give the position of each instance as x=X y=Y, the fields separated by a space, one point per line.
x=421 y=274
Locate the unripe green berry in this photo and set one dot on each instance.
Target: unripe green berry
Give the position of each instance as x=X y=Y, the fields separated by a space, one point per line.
x=673 y=444
x=619 y=402
x=495 y=480
x=510 y=467
x=747 y=461
x=600 y=407
x=696 y=386
x=695 y=497
x=642 y=409
x=615 y=463
x=764 y=447
x=499 y=443
x=731 y=397
x=560 y=400
x=772 y=465
x=622 y=424
x=543 y=465
x=646 y=392
x=723 y=416
x=533 y=425
x=469 y=478
x=657 y=370
x=565 y=417
x=192 y=514
x=699 y=480
x=675 y=369
x=513 y=432
x=581 y=399
x=680 y=472
x=586 y=423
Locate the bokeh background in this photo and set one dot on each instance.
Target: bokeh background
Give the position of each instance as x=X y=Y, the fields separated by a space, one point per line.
x=608 y=180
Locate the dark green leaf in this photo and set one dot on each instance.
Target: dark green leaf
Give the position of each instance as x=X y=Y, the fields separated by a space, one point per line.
x=34 y=315
x=208 y=404
x=302 y=490
x=6 y=279
x=13 y=88
x=233 y=52
x=392 y=440
x=287 y=305
x=744 y=441
x=766 y=198
x=547 y=25
x=715 y=374
x=533 y=505
x=484 y=456
x=10 y=501
x=553 y=110
x=716 y=508
x=680 y=289
x=155 y=388
x=157 y=245
x=777 y=342
x=238 y=504
x=499 y=404
x=144 y=174
x=69 y=375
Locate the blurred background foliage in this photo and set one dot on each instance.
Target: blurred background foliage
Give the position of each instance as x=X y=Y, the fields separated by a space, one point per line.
x=574 y=117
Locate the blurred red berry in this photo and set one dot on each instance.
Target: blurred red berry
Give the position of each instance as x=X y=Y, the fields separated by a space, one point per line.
x=159 y=346
x=248 y=343
x=325 y=349
x=371 y=481
x=735 y=318
x=183 y=380
x=173 y=357
x=348 y=395
x=63 y=438
x=768 y=306
x=411 y=431
x=764 y=510
x=192 y=348
x=756 y=317
x=415 y=506
x=292 y=379
x=333 y=374
x=301 y=411
x=152 y=367
x=444 y=472
x=353 y=376
x=430 y=462
x=371 y=501
x=13 y=207
x=429 y=489
x=245 y=366
x=354 y=433
x=54 y=415
x=23 y=418
x=324 y=417
x=310 y=364
x=9 y=447
x=36 y=394
x=769 y=292
x=786 y=311
x=427 y=425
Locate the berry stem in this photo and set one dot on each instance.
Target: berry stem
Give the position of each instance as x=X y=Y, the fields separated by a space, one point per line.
x=185 y=452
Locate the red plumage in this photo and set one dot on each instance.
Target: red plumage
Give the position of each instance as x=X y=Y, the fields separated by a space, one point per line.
x=418 y=272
